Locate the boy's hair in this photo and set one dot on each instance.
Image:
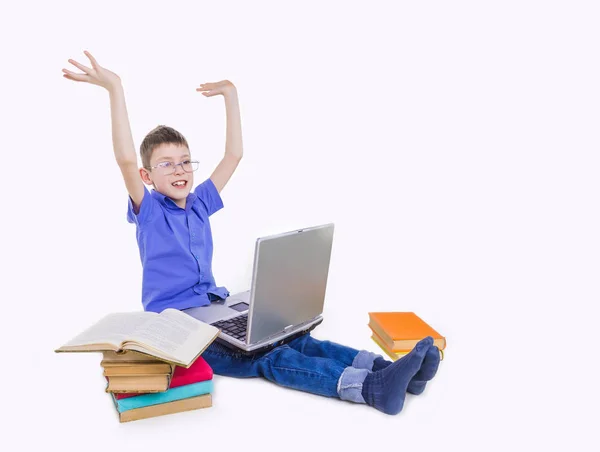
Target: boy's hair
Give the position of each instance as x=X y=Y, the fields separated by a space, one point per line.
x=157 y=136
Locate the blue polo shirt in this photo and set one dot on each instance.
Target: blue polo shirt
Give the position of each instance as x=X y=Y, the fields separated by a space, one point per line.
x=176 y=249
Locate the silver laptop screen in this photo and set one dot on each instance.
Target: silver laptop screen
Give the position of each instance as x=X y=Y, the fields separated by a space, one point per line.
x=289 y=280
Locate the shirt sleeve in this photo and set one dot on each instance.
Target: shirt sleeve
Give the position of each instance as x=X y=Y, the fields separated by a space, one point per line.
x=208 y=194
x=146 y=212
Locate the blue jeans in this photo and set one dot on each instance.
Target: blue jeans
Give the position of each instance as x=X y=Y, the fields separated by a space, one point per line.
x=306 y=364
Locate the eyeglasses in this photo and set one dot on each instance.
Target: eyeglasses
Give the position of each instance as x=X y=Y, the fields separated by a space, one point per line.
x=167 y=168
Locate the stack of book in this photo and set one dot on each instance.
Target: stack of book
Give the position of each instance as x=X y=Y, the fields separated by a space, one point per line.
x=189 y=389
x=151 y=361
x=396 y=333
x=135 y=372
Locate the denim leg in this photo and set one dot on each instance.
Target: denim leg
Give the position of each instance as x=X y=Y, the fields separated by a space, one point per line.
x=292 y=369
x=365 y=359
x=350 y=384
x=310 y=346
x=282 y=365
x=227 y=362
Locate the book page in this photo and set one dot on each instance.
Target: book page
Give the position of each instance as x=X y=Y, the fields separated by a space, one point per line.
x=176 y=334
x=112 y=329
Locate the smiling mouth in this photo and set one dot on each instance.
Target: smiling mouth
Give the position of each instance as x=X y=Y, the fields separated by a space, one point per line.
x=179 y=184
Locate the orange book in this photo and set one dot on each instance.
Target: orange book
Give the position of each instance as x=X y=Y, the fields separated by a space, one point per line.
x=400 y=331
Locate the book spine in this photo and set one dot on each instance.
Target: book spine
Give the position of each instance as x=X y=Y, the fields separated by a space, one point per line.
x=187 y=379
x=179 y=393
x=393 y=356
x=113 y=386
x=178 y=406
x=383 y=336
x=178 y=380
x=116 y=372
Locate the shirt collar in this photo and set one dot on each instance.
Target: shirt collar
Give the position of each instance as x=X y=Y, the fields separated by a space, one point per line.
x=170 y=204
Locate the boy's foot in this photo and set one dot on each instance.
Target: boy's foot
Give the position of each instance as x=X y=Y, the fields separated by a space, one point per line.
x=426 y=373
x=386 y=389
x=380 y=363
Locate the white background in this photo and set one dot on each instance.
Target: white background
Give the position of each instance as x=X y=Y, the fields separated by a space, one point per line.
x=454 y=144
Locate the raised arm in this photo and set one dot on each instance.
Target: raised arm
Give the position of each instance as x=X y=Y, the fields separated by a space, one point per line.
x=123 y=146
x=233 y=138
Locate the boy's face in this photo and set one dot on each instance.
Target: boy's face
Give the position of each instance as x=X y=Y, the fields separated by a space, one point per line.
x=171 y=181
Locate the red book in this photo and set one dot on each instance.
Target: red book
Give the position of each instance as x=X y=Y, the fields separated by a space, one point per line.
x=197 y=372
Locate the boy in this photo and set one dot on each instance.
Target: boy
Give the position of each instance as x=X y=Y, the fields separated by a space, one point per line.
x=175 y=241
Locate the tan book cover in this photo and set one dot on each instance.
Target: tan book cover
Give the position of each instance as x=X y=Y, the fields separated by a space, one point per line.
x=177 y=406
x=148 y=368
x=138 y=383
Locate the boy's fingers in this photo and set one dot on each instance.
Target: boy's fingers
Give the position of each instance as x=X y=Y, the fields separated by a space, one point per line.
x=76 y=77
x=85 y=69
x=92 y=59
x=73 y=78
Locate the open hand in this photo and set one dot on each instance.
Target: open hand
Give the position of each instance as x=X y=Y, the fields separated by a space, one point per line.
x=96 y=75
x=224 y=87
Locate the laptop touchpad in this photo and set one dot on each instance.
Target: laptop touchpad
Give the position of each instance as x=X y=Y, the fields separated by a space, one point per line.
x=240 y=307
x=210 y=314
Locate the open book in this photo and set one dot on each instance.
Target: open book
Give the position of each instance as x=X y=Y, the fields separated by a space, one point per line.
x=171 y=336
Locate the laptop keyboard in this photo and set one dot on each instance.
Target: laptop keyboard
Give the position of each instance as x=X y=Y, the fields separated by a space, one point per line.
x=235 y=327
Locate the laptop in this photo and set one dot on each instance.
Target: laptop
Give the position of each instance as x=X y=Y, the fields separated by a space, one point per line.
x=286 y=297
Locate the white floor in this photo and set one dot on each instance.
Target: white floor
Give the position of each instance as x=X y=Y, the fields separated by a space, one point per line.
x=454 y=145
